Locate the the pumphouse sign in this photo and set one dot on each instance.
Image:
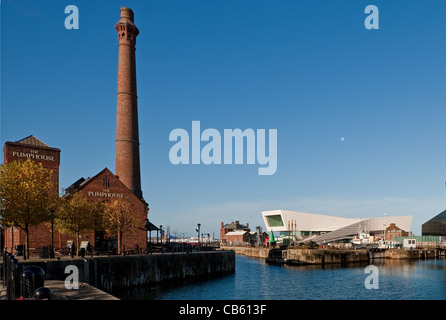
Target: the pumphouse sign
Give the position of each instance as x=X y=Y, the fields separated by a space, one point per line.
x=35 y=150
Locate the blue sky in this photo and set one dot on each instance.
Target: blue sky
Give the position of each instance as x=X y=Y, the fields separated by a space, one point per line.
x=309 y=69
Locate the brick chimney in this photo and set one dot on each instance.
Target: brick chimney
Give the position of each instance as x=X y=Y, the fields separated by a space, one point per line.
x=127 y=165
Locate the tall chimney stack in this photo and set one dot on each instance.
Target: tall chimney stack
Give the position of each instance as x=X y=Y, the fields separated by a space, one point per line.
x=127 y=165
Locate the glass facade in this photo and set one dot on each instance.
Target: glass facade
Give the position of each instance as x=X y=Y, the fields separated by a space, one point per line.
x=275 y=220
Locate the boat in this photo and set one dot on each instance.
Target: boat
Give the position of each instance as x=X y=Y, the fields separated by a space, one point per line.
x=361 y=239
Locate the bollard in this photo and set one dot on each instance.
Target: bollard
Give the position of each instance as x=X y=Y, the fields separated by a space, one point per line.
x=27 y=284
x=43 y=293
x=7 y=273
x=4 y=269
x=34 y=278
x=17 y=279
x=12 y=278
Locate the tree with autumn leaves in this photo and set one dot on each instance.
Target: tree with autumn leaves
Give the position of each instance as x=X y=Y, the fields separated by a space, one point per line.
x=27 y=196
x=119 y=218
x=77 y=215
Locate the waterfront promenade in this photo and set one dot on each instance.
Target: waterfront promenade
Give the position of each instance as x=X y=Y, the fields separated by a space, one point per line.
x=100 y=274
x=59 y=292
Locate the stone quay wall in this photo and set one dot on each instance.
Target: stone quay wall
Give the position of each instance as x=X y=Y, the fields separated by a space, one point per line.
x=253 y=252
x=324 y=256
x=419 y=253
x=332 y=256
x=133 y=271
x=303 y=256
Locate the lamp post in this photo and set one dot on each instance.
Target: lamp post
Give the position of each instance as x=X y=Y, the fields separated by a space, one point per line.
x=198 y=230
x=52 y=234
x=147 y=226
x=161 y=233
x=259 y=231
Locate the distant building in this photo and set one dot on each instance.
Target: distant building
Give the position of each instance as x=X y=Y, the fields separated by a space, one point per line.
x=421 y=241
x=237 y=236
x=393 y=231
x=435 y=226
x=234 y=232
x=324 y=229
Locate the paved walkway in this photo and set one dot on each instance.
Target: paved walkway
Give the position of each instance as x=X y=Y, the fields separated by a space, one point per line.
x=2 y=291
x=85 y=292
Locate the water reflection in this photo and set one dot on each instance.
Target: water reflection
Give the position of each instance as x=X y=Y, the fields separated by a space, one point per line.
x=254 y=279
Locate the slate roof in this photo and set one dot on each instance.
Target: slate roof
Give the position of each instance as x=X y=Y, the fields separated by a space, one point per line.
x=33 y=141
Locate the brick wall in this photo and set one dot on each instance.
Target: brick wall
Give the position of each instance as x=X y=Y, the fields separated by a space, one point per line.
x=48 y=157
x=106 y=186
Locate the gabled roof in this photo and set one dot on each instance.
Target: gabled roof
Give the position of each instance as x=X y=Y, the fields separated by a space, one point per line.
x=81 y=183
x=32 y=141
x=235 y=225
x=151 y=227
x=74 y=186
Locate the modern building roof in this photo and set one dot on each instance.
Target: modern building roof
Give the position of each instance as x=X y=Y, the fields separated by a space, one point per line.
x=284 y=220
x=435 y=226
x=366 y=225
x=439 y=217
x=329 y=228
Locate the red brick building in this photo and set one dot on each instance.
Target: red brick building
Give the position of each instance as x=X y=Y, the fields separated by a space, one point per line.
x=106 y=186
x=38 y=151
x=393 y=231
x=103 y=186
x=234 y=232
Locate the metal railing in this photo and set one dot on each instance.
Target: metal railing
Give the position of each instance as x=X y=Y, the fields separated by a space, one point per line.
x=21 y=281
